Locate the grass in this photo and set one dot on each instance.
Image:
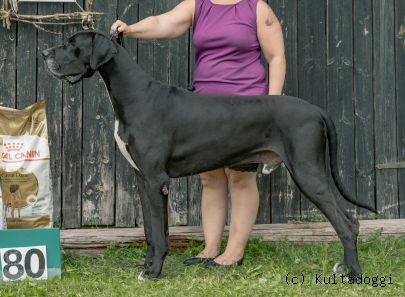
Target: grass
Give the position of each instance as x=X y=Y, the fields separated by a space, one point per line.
x=263 y=274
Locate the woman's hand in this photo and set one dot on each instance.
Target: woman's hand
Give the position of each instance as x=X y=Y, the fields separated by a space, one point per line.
x=118 y=27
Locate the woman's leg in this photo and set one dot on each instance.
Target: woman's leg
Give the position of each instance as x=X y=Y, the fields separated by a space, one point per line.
x=214 y=206
x=245 y=203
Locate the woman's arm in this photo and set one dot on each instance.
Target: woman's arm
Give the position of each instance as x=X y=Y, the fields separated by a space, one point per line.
x=271 y=40
x=168 y=25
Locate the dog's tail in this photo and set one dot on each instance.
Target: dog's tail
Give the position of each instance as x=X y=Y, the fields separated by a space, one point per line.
x=332 y=141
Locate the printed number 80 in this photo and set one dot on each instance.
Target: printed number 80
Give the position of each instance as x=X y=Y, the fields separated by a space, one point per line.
x=27 y=264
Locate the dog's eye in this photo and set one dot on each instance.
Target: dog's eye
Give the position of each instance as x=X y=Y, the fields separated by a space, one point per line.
x=77 y=52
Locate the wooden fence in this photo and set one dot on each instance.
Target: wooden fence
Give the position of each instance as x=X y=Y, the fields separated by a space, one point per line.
x=346 y=56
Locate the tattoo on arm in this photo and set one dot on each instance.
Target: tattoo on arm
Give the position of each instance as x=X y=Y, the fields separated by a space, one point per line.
x=269 y=21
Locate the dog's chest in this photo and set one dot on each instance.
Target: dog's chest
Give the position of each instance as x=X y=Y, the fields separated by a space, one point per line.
x=123 y=146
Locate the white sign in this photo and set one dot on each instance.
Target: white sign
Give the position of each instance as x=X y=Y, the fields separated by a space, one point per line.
x=21 y=262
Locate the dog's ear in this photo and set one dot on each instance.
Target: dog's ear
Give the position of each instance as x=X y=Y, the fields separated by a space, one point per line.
x=103 y=51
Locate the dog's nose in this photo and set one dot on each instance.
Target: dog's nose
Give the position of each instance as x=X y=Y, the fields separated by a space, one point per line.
x=46 y=53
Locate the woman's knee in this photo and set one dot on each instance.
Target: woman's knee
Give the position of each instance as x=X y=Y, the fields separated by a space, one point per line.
x=214 y=179
x=241 y=180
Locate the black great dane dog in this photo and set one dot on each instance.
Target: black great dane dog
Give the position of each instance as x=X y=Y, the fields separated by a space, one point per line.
x=165 y=131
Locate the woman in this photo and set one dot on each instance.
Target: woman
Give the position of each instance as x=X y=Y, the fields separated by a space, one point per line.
x=228 y=36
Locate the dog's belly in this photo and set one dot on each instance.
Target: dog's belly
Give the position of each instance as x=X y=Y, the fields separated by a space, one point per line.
x=123 y=146
x=269 y=159
x=196 y=164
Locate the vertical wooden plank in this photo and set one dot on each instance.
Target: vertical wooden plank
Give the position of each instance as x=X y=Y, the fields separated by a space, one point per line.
x=51 y=90
x=145 y=60
x=264 y=186
x=161 y=57
x=8 y=52
x=98 y=140
x=145 y=47
x=285 y=196
x=364 y=107
x=178 y=76
x=26 y=58
x=72 y=144
x=311 y=67
x=194 y=190
x=385 y=128
x=400 y=85
x=340 y=90
x=194 y=201
x=125 y=181
x=177 y=203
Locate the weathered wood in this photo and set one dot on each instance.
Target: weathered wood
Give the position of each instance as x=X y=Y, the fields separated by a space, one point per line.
x=8 y=53
x=364 y=107
x=83 y=239
x=51 y=90
x=264 y=187
x=194 y=201
x=340 y=90
x=285 y=196
x=400 y=87
x=385 y=127
x=392 y=165
x=99 y=147
x=178 y=76
x=72 y=145
x=125 y=181
x=26 y=59
x=311 y=66
x=177 y=204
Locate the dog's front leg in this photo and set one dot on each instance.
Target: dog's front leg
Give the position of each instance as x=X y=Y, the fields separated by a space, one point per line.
x=147 y=225
x=156 y=189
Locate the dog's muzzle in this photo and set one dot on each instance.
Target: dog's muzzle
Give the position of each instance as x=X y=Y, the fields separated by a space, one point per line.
x=54 y=68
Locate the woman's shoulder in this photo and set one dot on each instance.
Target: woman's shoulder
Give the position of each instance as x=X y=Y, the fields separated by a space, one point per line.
x=190 y=2
x=261 y=3
x=257 y=5
x=188 y=6
x=264 y=12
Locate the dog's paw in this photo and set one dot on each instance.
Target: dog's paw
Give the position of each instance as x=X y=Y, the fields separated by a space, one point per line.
x=338 y=268
x=141 y=276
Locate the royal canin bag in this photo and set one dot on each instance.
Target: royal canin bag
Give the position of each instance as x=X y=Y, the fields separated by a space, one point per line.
x=24 y=168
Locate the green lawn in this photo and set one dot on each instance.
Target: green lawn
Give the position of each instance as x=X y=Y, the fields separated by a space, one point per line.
x=263 y=274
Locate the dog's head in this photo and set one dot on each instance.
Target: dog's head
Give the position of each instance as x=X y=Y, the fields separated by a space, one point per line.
x=82 y=54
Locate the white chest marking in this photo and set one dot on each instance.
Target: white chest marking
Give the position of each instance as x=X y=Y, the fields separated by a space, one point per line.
x=123 y=146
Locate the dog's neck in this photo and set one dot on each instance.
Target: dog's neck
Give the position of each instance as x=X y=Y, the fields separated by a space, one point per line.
x=122 y=76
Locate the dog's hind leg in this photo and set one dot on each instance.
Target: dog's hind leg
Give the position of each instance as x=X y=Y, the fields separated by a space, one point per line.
x=158 y=222
x=306 y=162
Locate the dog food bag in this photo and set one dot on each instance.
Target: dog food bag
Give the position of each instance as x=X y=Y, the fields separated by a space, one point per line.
x=24 y=167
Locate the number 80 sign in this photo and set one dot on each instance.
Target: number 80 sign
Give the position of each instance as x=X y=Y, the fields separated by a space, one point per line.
x=20 y=262
x=29 y=253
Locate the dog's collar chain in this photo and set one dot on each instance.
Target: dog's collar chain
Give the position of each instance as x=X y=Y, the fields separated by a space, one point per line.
x=118 y=37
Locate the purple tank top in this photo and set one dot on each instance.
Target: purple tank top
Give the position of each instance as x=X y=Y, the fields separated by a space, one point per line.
x=227 y=51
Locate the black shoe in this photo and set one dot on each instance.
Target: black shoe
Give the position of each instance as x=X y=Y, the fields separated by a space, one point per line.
x=197 y=260
x=213 y=264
